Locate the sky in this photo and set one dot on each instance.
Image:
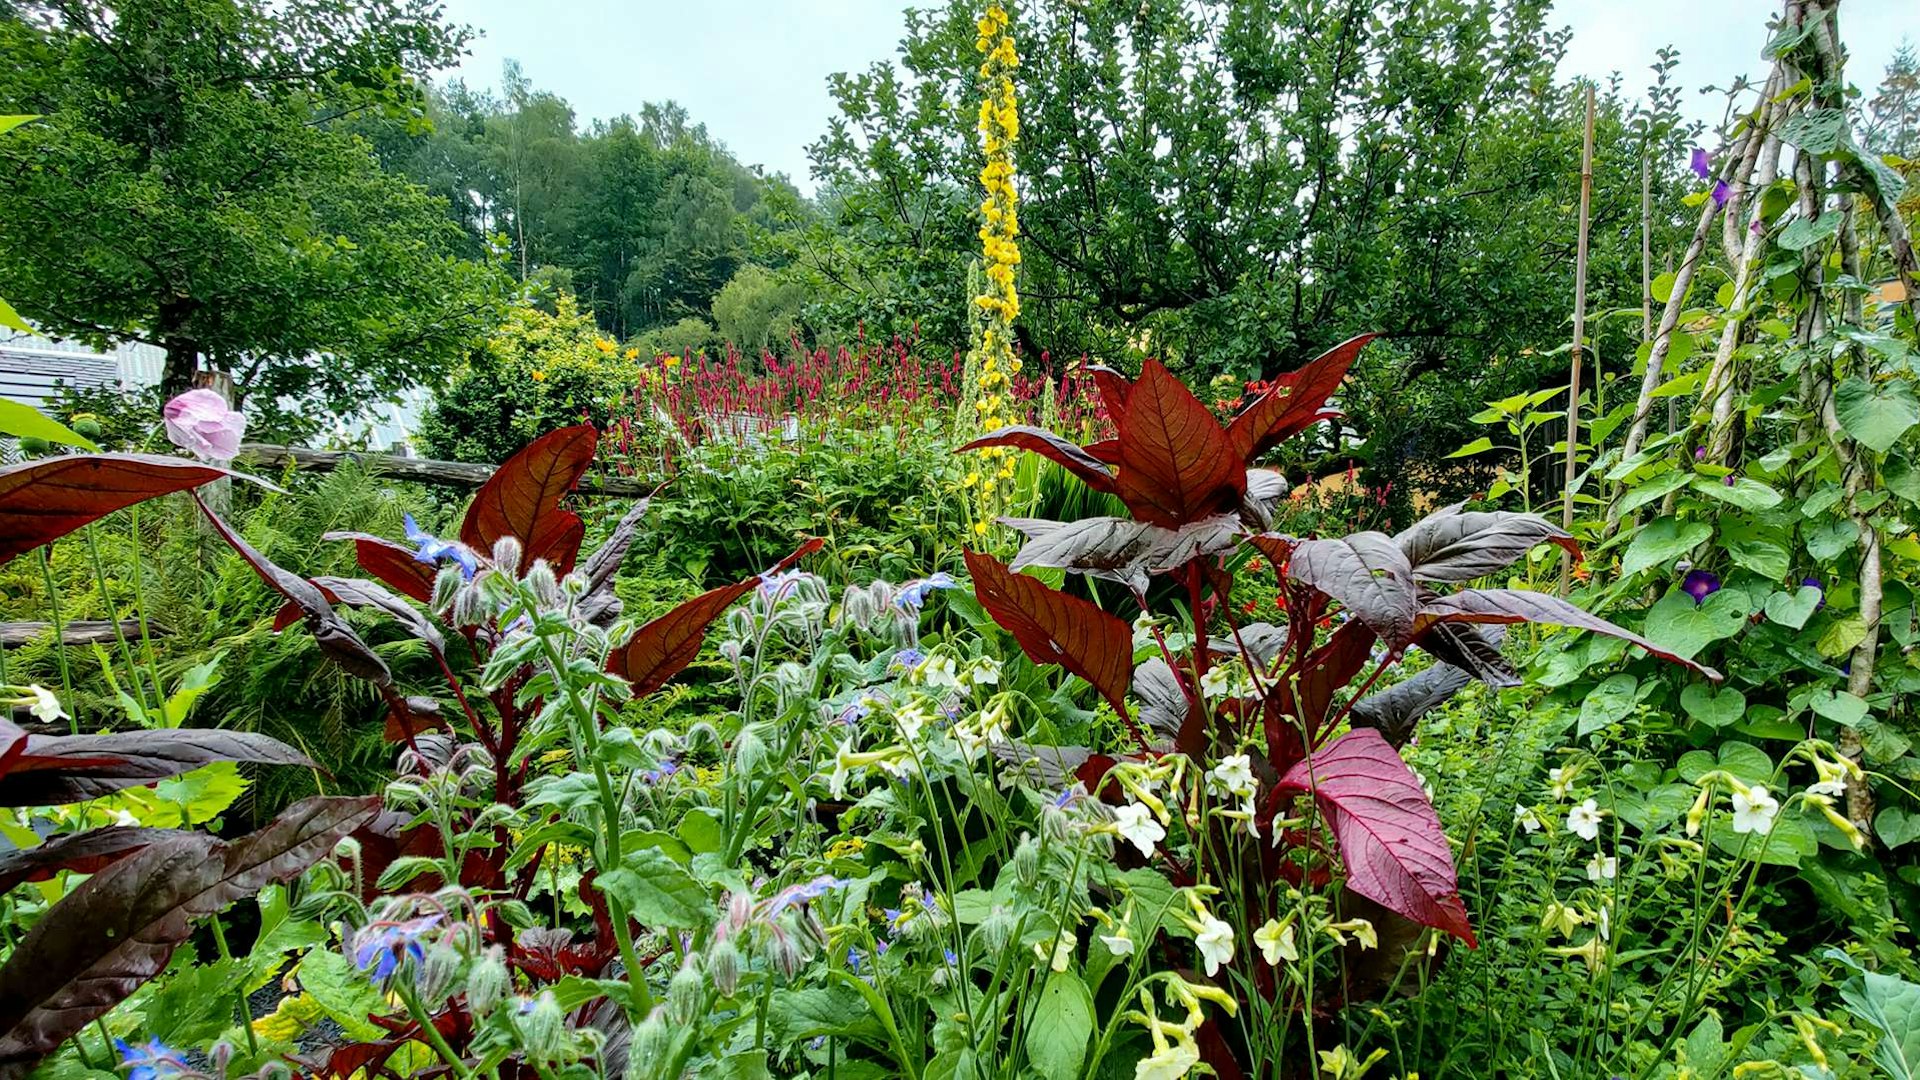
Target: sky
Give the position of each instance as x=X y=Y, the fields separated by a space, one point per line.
x=755 y=71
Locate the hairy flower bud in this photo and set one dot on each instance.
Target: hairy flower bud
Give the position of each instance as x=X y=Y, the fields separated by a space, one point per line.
x=542 y=1027
x=506 y=554
x=541 y=583
x=574 y=585
x=749 y=751
x=446 y=586
x=723 y=963
x=1026 y=860
x=440 y=974
x=997 y=928
x=489 y=982
x=686 y=994
x=648 y=1052
x=785 y=954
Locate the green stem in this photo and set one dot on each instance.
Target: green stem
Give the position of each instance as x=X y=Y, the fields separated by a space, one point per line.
x=119 y=635
x=59 y=639
x=431 y=1033
x=239 y=997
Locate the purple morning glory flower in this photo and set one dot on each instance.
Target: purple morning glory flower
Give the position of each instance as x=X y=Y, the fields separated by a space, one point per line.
x=908 y=659
x=913 y=595
x=1728 y=479
x=383 y=945
x=434 y=551
x=1700 y=584
x=1813 y=583
x=1700 y=453
x=1721 y=193
x=1702 y=163
x=154 y=1061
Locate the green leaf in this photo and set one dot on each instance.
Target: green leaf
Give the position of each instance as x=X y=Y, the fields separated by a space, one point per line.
x=1763 y=557
x=1660 y=541
x=1896 y=826
x=1743 y=493
x=1477 y=446
x=702 y=832
x=796 y=1016
x=1057 y=1039
x=25 y=420
x=8 y=123
x=1839 y=706
x=344 y=993
x=1829 y=539
x=657 y=892
x=11 y=319
x=1892 y=1005
x=1842 y=636
x=1608 y=703
x=1677 y=623
x=1903 y=479
x=1876 y=415
x=1801 y=234
x=1817 y=131
x=1713 y=708
x=1663 y=287
x=1653 y=490
x=1794 y=609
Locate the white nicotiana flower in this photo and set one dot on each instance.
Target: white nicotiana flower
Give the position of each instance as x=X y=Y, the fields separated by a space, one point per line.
x=1561 y=781
x=1602 y=869
x=1276 y=942
x=1215 y=940
x=123 y=817
x=1217 y=682
x=1604 y=923
x=1143 y=626
x=837 y=783
x=984 y=671
x=1754 y=810
x=1524 y=817
x=1136 y=825
x=938 y=671
x=1234 y=775
x=44 y=706
x=912 y=718
x=1062 y=956
x=1118 y=944
x=1832 y=789
x=1170 y=1062
x=1584 y=820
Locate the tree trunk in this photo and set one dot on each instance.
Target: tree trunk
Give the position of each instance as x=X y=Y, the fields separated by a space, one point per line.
x=183 y=351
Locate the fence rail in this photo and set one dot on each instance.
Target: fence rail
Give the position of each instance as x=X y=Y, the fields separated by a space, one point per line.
x=269 y=457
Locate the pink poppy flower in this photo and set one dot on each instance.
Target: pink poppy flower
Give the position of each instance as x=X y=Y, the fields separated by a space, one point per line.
x=200 y=423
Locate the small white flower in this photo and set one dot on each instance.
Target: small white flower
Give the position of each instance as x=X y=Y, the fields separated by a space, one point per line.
x=837 y=783
x=1215 y=940
x=1118 y=944
x=1137 y=826
x=1170 y=1062
x=1217 y=682
x=123 y=817
x=1832 y=789
x=1062 y=952
x=1561 y=781
x=1234 y=774
x=1524 y=817
x=1602 y=869
x=1604 y=924
x=1276 y=942
x=1754 y=810
x=938 y=671
x=1143 y=626
x=1584 y=820
x=984 y=671
x=45 y=706
x=912 y=718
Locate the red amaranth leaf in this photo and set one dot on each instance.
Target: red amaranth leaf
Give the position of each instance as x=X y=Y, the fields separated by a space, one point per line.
x=392 y=563
x=1454 y=544
x=660 y=649
x=1054 y=628
x=1295 y=402
x=1176 y=465
x=1390 y=837
x=1114 y=388
x=84 y=853
x=1521 y=605
x=522 y=499
x=42 y=501
x=1052 y=447
x=119 y=928
x=1368 y=574
x=51 y=770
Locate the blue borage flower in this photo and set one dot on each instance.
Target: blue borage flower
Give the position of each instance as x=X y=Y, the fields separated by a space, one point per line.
x=433 y=551
x=913 y=595
x=153 y=1061
x=666 y=769
x=907 y=660
x=800 y=895
x=775 y=587
x=383 y=945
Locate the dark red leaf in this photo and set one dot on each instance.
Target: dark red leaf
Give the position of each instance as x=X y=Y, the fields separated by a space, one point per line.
x=1106 y=451
x=1396 y=711
x=1052 y=447
x=42 y=501
x=83 y=853
x=412 y=716
x=336 y=639
x=1166 y=702
x=1114 y=389
x=1454 y=544
x=1390 y=837
x=599 y=606
x=1266 y=488
x=1294 y=403
x=669 y=643
x=1368 y=574
x=522 y=499
x=1119 y=549
x=392 y=563
x=119 y=927
x=1519 y=605
x=1176 y=465
x=1328 y=669
x=50 y=770
x=1054 y=628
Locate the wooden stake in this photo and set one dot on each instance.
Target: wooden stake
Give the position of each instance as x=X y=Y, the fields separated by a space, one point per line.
x=1579 y=339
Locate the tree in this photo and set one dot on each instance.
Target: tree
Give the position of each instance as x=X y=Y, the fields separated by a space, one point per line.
x=190 y=187
x=1894 y=112
x=757 y=308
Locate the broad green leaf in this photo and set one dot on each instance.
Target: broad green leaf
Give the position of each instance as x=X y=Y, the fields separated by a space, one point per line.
x=1795 y=608
x=1791 y=840
x=11 y=319
x=8 y=123
x=1743 y=493
x=1763 y=557
x=1839 y=706
x=1677 y=623
x=1477 y=446
x=799 y=1015
x=1842 y=636
x=25 y=420
x=1892 y=1005
x=1663 y=287
x=1902 y=478
x=702 y=832
x=1896 y=826
x=1828 y=540
x=1684 y=384
x=1653 y=490
x=657 y=892
x=1608 y=703
x=1714 y=708
x=1057 y=1039
x=1662 y=541
x=344 y=993
x=1876 y=415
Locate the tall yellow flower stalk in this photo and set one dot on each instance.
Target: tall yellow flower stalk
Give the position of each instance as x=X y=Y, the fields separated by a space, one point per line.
x=998 y=303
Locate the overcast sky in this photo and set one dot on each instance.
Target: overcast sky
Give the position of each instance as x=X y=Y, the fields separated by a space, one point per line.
x=755 y=71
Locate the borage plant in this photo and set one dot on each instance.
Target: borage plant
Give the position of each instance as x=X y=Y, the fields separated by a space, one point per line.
x=1243 y=736
x=466 y=826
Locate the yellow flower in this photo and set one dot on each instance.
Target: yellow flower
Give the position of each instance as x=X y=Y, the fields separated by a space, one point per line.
x=670 y=361
x=979 y=528
x=633 y=354
x=603 y=345
x=539 y=376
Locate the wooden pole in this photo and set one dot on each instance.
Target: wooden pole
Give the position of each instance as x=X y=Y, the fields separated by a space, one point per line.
x=1579 y=339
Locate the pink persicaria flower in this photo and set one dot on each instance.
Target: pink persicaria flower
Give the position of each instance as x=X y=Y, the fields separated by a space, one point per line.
x=200 y=423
